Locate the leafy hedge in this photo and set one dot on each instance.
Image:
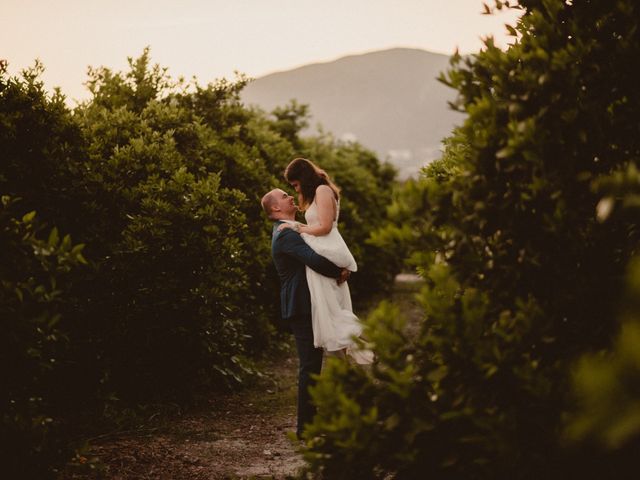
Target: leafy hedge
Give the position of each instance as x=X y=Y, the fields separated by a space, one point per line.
x=36 y=268
x=161 y=181
x=523 y=275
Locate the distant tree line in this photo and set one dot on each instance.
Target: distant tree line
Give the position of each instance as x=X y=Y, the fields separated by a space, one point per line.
x=135 y=260
x=527 y=360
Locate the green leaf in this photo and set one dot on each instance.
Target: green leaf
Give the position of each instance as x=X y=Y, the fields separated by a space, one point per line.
x=53 y=238
x=28 y=217
x=504 y=152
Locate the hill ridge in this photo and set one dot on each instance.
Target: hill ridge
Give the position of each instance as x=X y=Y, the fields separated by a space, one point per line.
x=389 y=100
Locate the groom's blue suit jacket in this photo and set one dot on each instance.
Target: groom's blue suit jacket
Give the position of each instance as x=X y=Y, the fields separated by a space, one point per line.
x=290 y=255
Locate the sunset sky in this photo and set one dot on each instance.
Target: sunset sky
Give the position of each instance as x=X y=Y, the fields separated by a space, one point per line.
x=212 y=39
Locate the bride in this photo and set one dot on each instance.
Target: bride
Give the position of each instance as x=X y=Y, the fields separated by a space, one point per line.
x=334 y=323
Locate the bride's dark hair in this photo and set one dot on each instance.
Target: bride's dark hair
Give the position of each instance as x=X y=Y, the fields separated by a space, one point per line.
x=310 y=178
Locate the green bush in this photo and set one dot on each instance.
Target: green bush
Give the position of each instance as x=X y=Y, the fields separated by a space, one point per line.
x=521 y=276
x=178 y=268
x=606 y=382
x=606 y=391
x=161 y=180
x=35 y=273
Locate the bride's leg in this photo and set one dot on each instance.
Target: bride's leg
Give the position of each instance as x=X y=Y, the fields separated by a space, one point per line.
x=338 y=353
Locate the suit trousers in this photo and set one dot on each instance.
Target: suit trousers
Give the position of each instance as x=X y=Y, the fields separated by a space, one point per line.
x=310 y=363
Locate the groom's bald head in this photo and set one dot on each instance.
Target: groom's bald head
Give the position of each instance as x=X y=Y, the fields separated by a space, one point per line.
x=279 y=205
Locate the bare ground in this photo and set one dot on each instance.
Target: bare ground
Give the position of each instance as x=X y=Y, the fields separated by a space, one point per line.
x=244 y=435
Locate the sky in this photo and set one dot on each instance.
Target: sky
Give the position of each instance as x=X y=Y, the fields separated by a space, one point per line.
x=211 y=39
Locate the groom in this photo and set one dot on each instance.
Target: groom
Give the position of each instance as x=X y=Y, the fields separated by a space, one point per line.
x=290 y=256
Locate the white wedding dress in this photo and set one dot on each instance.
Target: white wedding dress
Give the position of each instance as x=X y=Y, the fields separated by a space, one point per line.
x=333 y=320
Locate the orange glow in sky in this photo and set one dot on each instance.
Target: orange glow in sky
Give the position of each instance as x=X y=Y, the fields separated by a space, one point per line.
x=210 y=39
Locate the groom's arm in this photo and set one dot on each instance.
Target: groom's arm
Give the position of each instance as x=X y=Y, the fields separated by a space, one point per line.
x=293 y=244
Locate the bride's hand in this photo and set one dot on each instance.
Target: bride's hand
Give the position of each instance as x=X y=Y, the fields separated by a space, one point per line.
x=293 y=226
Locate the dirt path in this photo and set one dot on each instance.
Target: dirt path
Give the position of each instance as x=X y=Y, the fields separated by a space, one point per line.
x=241 y=436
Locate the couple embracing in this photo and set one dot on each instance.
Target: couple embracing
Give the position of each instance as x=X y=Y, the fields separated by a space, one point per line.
x=313 y=263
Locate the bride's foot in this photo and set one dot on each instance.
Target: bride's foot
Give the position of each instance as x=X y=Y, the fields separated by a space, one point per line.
x=361 y=356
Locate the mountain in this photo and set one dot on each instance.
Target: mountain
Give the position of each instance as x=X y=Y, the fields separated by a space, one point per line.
x=390 y=101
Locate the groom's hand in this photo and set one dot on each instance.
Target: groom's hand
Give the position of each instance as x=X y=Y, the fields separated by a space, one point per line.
x=344 y=276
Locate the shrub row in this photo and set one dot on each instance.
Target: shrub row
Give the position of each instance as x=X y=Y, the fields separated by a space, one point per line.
x=523 y=232
x=174 y=292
